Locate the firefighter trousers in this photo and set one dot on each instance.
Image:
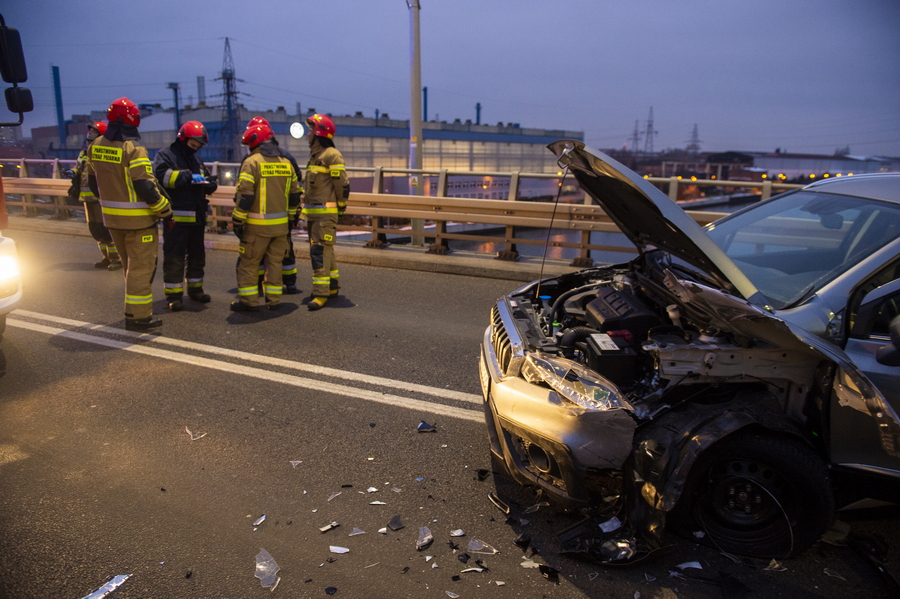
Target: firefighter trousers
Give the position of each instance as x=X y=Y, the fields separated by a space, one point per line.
x=321 y=255
x=93 y=214
x=252 y=250
x=138 y=251
x=184 y=258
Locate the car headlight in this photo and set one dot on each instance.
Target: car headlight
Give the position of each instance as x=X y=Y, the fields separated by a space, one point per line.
x=9 y=267
x=573 y=381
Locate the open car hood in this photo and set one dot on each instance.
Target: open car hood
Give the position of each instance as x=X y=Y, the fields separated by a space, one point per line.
x=648 y=217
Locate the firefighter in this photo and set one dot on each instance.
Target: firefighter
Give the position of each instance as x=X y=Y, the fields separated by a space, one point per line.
x=327 y=189
x=187 y=181
x=266 y=203
x=120 y=173
x=92 y=213
x=289 y=264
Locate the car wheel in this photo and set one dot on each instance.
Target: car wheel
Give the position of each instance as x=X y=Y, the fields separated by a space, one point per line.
x=2 y=325
x=757 y=495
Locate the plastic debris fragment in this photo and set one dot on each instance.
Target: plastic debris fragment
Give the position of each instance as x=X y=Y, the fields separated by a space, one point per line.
x=452 y=595
x=536 y=507
x=266 y=568
x=194 y=436
x=476 y=546
x=775 y=566
x=611 y=525
x=329 y=526
x=395 y=524
x=529 y=563
x=834 y=574
x=330 y=590
x=689 y=565
x=336 y=549
x=356 y=531
x=259 y=520
x=499 y=583
x=333 y=495
x=111 y=585
x=551 y=574
x=522 y=541
x=457 y=533
x=425 y=538
x=404 y=570
x=295 y=463
x=617 y=549
x=424 y=427
x=499 y=503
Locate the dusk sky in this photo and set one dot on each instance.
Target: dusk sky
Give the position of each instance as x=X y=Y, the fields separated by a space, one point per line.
x=800 y=75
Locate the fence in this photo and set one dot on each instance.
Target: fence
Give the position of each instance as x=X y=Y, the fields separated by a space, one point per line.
x=38 y=188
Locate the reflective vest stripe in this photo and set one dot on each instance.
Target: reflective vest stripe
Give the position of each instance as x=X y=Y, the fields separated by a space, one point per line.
x=248 y=290
x=139 y=299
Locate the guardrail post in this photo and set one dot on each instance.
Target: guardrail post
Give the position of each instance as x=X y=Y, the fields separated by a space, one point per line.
x=441 y=245
x=766 y=191
x=379 y=240
x=673 y=188
x=28 y=207
x=60 y=211
x=509 y=251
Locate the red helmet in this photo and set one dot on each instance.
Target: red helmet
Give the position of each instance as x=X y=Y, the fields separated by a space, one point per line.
x=258 y=120
x=193 y=130
x=321 y=125
x=124 y=109
x=256 y=135
x=100 y=126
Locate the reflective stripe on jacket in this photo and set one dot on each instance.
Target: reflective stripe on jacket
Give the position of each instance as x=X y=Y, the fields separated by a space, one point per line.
x=324 y=184
x=267 y=194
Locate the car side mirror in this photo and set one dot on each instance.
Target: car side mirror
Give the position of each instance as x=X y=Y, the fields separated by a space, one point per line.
x=889 y=355
x=13 y=70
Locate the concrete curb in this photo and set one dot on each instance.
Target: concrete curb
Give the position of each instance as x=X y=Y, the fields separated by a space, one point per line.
x=401 y=257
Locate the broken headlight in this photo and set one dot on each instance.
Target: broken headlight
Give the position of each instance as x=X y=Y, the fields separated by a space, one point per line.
x=572 y=381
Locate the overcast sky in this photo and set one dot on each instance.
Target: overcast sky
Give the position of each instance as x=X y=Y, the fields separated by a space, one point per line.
x=800 y=75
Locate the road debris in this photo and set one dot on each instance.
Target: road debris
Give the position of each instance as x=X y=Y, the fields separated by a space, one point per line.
x=333 y=495
x=194 y=436
x=259 y=520
x=457 y=533
x=536 y=507
x=111 y=585
x=296 y=463
x=480 y=547
x=834 y=574
x=336 y=549
x=395 y=524
x=775 y=566
x=425 y=538
x=689 y=565
x=266 y=569
x=611 y=525
x=329 y=526
x=424 y=427
x=356 y=531
x=551 y=574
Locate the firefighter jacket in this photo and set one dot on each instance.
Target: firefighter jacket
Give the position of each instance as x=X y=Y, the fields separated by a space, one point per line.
x=174 y=168
x=268 y=194
x=326 y=184
x=79 y=190
x=121 y=174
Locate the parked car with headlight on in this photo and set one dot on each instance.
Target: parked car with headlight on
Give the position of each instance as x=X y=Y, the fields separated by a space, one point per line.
x=10 y=280
x=741 y=379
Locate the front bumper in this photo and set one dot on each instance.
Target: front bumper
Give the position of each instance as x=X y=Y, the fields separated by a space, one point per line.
x=543 y=439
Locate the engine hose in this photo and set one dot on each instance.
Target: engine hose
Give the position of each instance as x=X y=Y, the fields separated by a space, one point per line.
x=572 y=336
x=561 y=300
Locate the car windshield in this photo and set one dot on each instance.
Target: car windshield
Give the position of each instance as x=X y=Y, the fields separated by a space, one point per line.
x=792 y=245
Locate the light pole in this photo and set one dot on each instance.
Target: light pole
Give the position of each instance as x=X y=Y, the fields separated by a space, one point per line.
x=417 y=182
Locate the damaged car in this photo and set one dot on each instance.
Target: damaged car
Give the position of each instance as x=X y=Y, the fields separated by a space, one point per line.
x=738 y=382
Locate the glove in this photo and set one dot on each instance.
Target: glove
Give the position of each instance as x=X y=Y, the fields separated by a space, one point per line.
x=238 y=226
x=198 y=178
x=169 y=223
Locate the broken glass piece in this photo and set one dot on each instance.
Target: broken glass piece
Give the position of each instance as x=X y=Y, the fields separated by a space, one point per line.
x=333 y=495
x=194 y=436
x=524 y=522
x=834 y=574
x=689 y=565
x=452 y=595
x=336 y=549
x=499 y=583
x=476 y=546
x=699 y=534
x=463 y=557
x=396 y=489
x=424 y=427
x=330 y=590
x=457 y=533
x=649 y=578
x=111 y=585
x=482 y=473
x=371 y=490
x=678 y=575
x=377 y=503
x=529 y=563
x=404 y=570
x=383 y=530
x=294 y=463
x=551 y=574
x=259 y=520
x=434 y=565
x=372 y=565
x=536 y=507
x=611 y=525
x=329 y=526
x=419 y=479
x=775 y=566
x=425 y=538
x=478 y=570
x=499 y=503
x=395 y=524
x=356 y=531
x=593 y=575
x=266 y=568
x=617 y=549
x=522 y=541
x=428 y=558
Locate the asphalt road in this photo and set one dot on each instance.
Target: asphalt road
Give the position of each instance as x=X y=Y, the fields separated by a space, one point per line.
x=308 y=419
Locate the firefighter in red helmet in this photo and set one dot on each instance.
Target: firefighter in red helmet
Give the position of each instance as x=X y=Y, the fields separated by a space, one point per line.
x=92 y=213
x=120 y=173
x=327 y=189
x=266 y=202
x=183 y=175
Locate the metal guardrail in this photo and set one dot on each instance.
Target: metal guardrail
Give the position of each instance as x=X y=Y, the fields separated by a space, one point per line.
x=368 y=211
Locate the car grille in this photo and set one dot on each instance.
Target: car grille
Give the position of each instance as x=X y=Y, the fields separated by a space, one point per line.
x=505 y=341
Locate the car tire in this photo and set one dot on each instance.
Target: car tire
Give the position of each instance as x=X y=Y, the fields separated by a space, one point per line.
x=758 y=495
x=2 y=325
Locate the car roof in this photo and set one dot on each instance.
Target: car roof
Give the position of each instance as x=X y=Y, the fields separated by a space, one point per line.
x=877 y=186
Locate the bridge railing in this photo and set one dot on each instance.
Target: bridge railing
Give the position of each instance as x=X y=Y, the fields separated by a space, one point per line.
x=40 y=189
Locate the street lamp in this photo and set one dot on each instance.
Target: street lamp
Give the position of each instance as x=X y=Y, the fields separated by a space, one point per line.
x=415 y=111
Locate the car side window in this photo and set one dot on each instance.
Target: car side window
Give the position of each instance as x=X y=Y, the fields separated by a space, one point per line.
x=888 y=309
x=889 y=273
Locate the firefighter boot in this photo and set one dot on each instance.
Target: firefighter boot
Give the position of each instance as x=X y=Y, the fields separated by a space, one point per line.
x=142 y=325
x=316 y=303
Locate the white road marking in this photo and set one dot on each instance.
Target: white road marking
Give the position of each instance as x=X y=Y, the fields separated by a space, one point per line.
x=267 y=375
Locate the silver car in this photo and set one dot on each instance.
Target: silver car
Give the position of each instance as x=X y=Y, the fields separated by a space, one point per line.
x=741 y=381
